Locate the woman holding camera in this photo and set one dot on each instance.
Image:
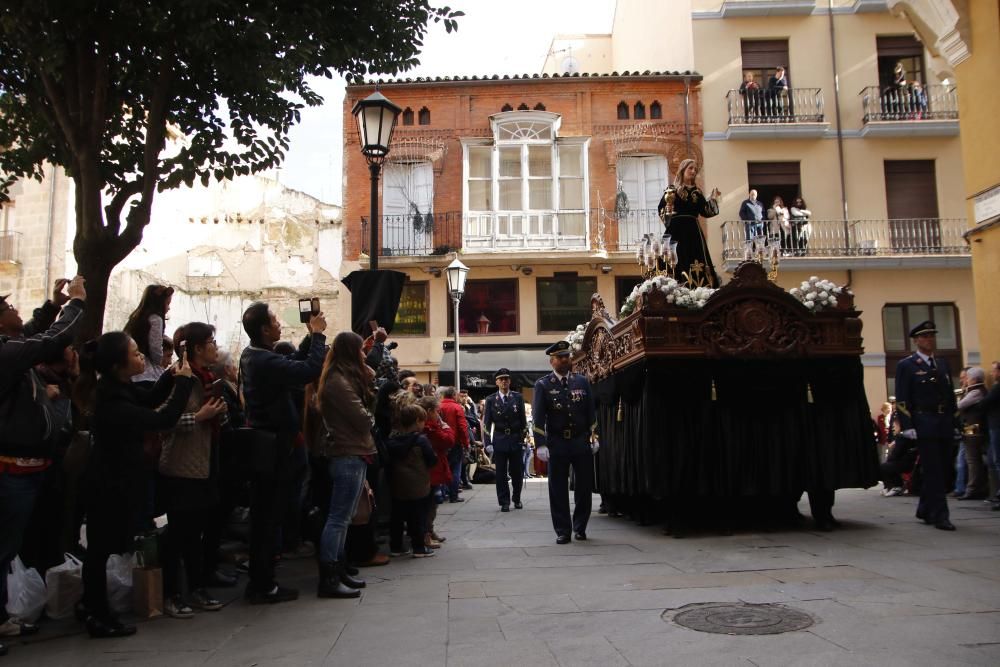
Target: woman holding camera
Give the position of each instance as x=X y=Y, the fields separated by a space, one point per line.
x=114 y=484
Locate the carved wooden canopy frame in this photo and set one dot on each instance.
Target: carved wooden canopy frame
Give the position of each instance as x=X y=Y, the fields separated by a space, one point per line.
x=748 y=318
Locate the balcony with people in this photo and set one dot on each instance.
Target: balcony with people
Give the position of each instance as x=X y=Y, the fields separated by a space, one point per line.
x=847 y=244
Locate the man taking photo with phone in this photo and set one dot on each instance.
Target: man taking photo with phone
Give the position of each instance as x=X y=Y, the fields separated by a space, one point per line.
x=267 y=380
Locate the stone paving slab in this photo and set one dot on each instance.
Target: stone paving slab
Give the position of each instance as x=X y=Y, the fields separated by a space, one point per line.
x=885 y=590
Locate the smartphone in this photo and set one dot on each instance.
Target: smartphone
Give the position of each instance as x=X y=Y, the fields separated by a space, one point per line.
x=182 y=348
x=215 y=389
x=308 y=308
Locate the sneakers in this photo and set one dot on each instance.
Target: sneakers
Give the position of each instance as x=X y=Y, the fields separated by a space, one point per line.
x=15 y=627
x=177 y=608
x=204 y=601
x=397 y=553
x=431 y=542
x=894 y=491
x=423 y=552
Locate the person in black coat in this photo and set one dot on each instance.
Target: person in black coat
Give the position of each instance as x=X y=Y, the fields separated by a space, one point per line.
x=506 y=426
x=113 y=483
x=928 y=414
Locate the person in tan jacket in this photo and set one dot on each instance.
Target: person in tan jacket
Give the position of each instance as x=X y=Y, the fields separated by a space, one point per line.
x=189 y=475
x=345 y=398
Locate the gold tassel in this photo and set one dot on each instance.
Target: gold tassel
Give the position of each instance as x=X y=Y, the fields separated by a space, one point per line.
x=809 y=393
x=715 y=396
x=621 y=410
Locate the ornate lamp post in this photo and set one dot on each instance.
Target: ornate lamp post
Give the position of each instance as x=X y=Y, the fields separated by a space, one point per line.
x=456 y=273
x=376 y=117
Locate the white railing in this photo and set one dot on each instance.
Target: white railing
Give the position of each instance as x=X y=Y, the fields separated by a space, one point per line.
x=853 y=238
x=792 y=105
x=544 y=230
x=909 y=103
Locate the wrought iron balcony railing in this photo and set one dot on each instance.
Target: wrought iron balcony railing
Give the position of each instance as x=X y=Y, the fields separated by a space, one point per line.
x=853 y=238
x=10 y=243
x=912 y=102
x=794 y=105
x=416 y=235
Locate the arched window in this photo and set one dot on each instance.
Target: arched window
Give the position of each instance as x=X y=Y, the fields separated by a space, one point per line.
x=655 y=110
x=425 y=116
x=640 y=111
x=506 y=107
x=407 y=116
x=539 y=107
x=622 y=111
x=522 y=107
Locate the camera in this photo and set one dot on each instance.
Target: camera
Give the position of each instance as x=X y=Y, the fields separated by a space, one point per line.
x=307 y=309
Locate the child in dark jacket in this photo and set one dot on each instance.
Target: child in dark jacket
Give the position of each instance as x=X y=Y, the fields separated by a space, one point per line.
x=411 y=458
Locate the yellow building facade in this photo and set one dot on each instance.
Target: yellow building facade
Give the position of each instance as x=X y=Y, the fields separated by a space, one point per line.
x=966 y=35
x=876 y=156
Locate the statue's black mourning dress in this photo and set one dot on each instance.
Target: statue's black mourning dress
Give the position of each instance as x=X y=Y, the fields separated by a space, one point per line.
x=689 y=203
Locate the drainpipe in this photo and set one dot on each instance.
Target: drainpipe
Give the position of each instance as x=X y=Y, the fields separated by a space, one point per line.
x=48 y=228
x=840 y=133
x=687 y=117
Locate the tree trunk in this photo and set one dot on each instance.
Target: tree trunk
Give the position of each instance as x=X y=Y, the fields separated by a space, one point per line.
x=98 y=274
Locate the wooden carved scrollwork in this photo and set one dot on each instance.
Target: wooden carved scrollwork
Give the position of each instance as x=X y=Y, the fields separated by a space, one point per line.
x=755 y=328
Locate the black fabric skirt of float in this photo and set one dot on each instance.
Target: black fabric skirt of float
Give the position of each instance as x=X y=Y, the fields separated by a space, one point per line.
x=762 y=436
x=691 y=247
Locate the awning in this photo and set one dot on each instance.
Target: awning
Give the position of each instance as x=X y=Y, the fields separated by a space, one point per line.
x=478 y=363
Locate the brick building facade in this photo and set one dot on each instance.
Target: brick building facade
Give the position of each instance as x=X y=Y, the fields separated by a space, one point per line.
x=543 y=184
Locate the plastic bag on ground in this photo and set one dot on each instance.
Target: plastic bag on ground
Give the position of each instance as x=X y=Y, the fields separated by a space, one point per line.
x=65 y=587
x=119 y=571
x=25 y=592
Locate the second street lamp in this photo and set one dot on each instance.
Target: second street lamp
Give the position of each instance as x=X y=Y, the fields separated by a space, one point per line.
x=456 y=273
x=376 y=116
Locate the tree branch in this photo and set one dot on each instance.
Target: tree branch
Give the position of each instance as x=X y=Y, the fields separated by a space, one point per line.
x=60 y=109
x=114 y=209
x=101 y=77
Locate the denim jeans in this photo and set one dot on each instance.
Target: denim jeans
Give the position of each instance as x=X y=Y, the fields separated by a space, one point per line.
x=961 y=471
x=18 y=494
x=347 y=475
x=455 y=456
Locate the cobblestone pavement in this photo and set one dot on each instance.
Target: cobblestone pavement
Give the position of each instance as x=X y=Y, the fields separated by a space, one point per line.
x=885 y=590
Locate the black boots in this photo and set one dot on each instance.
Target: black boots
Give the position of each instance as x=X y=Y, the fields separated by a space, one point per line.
x=330 y=583
x=347 y=578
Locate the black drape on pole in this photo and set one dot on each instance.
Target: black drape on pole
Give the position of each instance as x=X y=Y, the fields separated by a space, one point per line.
x=374 y=296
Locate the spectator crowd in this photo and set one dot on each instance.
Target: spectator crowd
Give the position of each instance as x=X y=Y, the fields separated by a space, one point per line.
x=209 y=466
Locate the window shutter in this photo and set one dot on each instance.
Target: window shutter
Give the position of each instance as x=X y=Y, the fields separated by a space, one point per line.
x=899 y=46
x=910 y=189
x=764 y=53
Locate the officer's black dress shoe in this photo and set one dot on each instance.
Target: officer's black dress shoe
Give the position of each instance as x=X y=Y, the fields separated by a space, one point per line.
x=563 y=539
x=944 y=524
x=505 y=508
x=518 y=505
x=108 y=628
x=580 y=535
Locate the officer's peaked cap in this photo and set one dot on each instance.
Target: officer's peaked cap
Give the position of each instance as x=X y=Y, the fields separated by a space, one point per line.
x=925 y=327
x=502 y=373
x=558 y=349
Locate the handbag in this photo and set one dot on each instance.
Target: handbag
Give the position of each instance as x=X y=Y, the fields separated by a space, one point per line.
x=365 y=507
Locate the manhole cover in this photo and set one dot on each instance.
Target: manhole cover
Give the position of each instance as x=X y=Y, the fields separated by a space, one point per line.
x=727 y=618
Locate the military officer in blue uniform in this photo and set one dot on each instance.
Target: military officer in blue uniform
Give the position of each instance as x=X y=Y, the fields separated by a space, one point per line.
x=565 y=435
x=506 y=426
x=928 y=414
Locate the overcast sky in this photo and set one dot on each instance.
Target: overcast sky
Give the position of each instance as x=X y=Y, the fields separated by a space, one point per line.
x=511 y=37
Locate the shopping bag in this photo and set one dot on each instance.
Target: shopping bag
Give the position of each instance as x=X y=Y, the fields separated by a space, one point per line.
x=25 y=592
x=64 y=584
x=147 y=592
x=119 y=571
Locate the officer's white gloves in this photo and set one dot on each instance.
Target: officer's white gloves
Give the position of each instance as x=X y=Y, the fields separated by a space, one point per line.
x=595 y=445
x=910 y=433
x=543 y=454
x=489 y=450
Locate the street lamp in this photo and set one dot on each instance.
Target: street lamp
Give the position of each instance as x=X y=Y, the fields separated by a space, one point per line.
x=376 y=117
x=456 y=273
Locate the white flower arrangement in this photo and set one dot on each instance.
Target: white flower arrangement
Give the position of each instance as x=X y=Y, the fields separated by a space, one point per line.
x=816 y=294
x=575 y=337
x=676 y=293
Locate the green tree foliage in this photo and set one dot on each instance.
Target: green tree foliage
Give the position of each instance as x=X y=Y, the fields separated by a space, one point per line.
x=99 y=86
